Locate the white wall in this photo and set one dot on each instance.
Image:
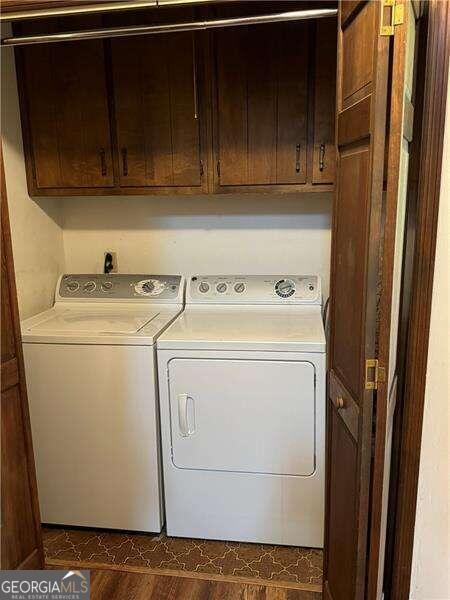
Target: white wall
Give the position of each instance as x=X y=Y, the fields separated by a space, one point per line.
x=36 y=224
x=218 y=234
x=431 y=559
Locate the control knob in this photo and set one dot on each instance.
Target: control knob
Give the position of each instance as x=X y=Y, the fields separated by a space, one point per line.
x=285 y=288
x=107 y=286
x=72 y=286
x=239 y=287
x=147 y=286
x=203 y=287
x=221 y=288
x=89 y=286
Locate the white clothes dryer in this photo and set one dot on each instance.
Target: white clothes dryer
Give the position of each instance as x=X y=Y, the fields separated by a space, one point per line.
x=90 y=365
x=242 y=400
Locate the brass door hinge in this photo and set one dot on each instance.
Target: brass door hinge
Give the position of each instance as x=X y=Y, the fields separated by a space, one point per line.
x=397 y=16
x=374 y=374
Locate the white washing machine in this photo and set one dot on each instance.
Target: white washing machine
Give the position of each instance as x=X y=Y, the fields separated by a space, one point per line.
x=242 y=401
x=90 y=366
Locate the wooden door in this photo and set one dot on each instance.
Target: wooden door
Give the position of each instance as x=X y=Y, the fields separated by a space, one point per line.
x=361 y=288
x=66 y=115
x=157 y=110
x=21 y=543
x=262 y=104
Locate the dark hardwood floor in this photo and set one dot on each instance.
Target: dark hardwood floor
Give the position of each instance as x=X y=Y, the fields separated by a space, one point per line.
x=121 y=585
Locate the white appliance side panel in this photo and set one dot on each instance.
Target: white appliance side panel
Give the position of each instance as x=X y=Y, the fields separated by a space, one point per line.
x=95 y=434
x=252 y=416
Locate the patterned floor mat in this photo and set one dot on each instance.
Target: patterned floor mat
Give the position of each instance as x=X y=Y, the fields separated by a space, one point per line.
x=233 y=561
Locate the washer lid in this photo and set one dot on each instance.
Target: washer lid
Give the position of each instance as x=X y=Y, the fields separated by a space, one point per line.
x=107 y=320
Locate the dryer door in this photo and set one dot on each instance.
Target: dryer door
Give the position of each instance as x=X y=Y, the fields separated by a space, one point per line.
x=236 y=415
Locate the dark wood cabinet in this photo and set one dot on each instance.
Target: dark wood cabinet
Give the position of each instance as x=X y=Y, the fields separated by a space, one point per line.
x=235 y=110
x=274 y=115
x=157 y=110
x=262 y=105
x=67 y=116
x=21 y=543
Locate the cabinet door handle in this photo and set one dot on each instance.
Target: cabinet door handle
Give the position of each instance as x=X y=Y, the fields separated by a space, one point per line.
x=103 y=161
x=194 y=77
x=322 y=157
x=124 y=162
x=339 y=402
x=297 y=158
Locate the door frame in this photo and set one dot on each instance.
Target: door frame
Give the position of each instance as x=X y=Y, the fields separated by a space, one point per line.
x=417 y=288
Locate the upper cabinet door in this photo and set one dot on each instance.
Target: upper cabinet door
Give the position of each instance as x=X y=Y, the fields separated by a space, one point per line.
x=324 y=154
x=262 y=104
x=157 y=110
x=67 y=115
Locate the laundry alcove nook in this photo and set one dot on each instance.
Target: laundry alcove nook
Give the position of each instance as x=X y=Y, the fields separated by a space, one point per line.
x=272 y=144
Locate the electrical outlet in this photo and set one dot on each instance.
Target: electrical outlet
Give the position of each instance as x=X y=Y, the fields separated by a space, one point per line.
x=115 y=268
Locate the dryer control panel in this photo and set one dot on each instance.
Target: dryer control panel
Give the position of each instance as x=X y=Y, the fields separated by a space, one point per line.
x=160 y=288
x=254 y=289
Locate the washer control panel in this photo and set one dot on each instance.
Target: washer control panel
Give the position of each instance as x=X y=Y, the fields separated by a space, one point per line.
x=254 y=289
x=161 y=288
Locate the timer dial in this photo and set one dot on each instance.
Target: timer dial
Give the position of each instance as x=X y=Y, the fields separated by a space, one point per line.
x=285 y=288
x=149 y=287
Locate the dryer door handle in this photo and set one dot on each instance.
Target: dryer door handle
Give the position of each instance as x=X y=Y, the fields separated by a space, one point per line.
x=186 y=413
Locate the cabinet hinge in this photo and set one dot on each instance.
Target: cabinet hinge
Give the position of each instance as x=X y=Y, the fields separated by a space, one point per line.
x=397 y=16
x=374 y=374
